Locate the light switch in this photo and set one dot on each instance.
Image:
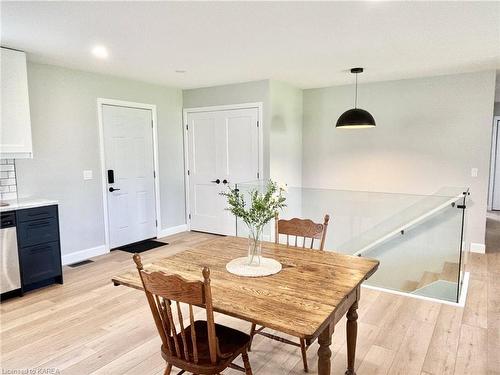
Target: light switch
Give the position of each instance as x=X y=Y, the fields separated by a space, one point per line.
x=473 y=172
x=88 y=175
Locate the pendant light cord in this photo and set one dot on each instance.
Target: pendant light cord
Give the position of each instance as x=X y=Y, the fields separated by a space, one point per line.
x=356 y=93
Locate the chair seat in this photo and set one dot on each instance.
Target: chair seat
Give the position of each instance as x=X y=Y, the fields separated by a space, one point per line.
x=231 y=344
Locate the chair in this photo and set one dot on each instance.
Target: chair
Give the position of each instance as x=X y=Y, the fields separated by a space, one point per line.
x=307 y=229
x=202 y=347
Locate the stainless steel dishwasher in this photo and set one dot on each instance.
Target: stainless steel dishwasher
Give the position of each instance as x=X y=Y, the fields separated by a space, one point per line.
x=10 y=275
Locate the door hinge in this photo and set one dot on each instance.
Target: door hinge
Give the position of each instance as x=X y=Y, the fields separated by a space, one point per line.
x=156 y=223
x=257 y=174
x=188 y=172
x=257 y=123
x=151 y=123
x=154 y=174
x=187 y=127
x=189 y=216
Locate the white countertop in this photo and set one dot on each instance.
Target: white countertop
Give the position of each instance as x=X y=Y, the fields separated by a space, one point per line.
x=18 y=204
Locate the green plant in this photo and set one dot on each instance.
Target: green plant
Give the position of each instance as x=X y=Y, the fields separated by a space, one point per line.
x=262 y=206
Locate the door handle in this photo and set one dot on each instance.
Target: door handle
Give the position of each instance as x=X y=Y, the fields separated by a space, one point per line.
x=111 y=189
x=216 y=181
x=224 y=181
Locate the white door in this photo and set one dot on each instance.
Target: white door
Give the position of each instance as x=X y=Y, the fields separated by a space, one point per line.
x=129 y=163
x=495 y=204
x=223 y=148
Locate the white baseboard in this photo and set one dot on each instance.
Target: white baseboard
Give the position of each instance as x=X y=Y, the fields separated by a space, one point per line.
x=85 y=254
x=461 y=302
x=172 y=230
x=477 y=247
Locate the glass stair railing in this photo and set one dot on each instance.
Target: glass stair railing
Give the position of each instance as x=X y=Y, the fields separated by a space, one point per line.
x=410 y=216
x=418 y=239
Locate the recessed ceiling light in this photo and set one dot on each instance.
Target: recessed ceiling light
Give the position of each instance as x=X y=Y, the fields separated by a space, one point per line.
x=100 y=52
x=180 y=71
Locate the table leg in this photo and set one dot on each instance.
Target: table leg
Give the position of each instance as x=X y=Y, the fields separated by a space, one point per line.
x=352 y=332
x=324 y=352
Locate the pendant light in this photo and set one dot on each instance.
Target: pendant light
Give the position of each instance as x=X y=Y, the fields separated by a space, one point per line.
x=356 y=118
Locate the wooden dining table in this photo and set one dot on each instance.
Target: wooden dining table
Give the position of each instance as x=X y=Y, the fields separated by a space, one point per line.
x=311 y=293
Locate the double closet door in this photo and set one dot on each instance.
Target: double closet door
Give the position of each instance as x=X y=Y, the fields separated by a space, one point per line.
x=223 y=149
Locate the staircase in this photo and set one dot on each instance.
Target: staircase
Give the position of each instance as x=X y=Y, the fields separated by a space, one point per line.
x=448 y=273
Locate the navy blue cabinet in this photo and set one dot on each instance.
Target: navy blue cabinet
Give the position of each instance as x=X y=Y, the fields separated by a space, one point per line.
x=38 y=231
x=39 y=247
x=38 y=213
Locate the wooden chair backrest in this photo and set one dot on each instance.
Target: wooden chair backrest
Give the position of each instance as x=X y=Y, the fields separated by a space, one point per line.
x=305 y=228
x=166 y=291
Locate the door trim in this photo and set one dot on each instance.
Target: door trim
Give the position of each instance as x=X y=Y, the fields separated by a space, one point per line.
x=493 y=160
x=185 y=113
x=122 y=103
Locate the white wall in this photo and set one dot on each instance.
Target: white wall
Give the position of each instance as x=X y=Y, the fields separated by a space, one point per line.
x=66 y=141
x=430 y=133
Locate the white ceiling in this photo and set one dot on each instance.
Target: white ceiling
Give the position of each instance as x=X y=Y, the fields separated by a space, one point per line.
x=307 y=44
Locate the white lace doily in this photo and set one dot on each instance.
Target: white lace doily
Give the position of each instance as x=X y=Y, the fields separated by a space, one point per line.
x=240 y=267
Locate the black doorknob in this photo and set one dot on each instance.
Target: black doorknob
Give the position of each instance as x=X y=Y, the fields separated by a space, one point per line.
x=111 y=189
x=224 y=181
x=216 y=181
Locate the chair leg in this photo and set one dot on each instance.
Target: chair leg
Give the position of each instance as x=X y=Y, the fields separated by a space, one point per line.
x=304 y=354
x=246 y=363
x=252 y=333
x=168 y=369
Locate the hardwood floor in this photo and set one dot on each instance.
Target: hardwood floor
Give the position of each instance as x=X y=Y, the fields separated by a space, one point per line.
x=88 y=326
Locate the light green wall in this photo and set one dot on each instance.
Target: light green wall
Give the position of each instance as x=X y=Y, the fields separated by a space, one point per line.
x=247 y=92
x=285 y=133
x=430 y=133
x=63 y=104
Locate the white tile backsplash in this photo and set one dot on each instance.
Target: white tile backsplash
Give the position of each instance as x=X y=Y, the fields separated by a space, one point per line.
x=7 y=167
x=8 y=183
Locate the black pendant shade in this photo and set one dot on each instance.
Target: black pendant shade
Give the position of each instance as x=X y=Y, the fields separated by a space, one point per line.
x=356 y=118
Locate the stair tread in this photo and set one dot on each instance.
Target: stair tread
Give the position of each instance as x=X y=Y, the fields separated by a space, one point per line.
x=427 y=278
x=409 y=286
x=449 y=272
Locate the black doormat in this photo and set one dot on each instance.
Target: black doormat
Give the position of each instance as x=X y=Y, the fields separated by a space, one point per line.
x=139 y=247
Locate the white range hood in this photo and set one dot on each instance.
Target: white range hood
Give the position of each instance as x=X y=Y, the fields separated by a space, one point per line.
x=15 y=129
